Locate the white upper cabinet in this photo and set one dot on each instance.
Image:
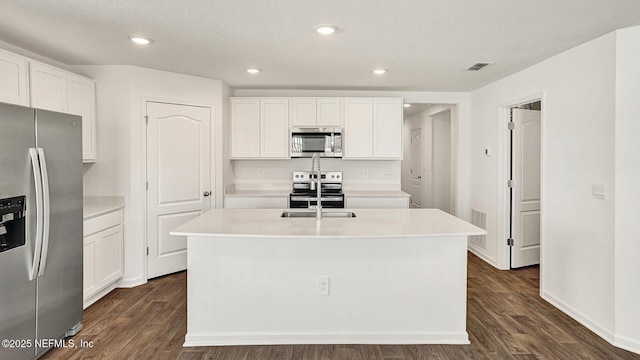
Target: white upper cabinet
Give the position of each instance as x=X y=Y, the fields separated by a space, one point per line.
x=329 y=112
x=48 y=87
x=387 y=128
x=259 y=128
x=59 y=90
x=14 y=82
x=373 y=128
x=302 y=112
x=308 y=111
x=358 y=128
x=245 y=128
x=81 y=100
x=274 y=128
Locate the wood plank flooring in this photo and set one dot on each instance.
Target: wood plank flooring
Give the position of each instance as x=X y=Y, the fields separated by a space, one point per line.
x=506 y=319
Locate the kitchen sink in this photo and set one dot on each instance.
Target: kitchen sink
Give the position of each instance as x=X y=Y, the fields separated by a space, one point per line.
x=312 y=214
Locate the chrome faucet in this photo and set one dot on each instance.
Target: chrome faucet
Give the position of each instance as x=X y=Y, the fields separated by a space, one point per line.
x=317 y=183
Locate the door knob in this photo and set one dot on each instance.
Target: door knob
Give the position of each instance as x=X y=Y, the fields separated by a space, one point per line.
x=419 y=177
x=206 y=193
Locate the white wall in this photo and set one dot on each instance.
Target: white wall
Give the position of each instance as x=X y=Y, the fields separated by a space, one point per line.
x=227 y=167
x=441 y=159
x=589 y=130
x=120 y=168
x=627 y=189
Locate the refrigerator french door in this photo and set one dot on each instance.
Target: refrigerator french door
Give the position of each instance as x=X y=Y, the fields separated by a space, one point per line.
x=40 y=229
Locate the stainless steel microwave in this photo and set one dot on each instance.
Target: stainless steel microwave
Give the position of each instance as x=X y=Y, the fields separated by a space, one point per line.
x=310 y=140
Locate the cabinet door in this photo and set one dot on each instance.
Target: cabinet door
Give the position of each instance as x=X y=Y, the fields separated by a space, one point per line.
x=358 y=123
x=89 y=283
x=48 y=87
x=245 y=127
x=13 y=79
x=109 y=260
x=274 y=128
x=302 y=112
x=81 y=100
x=387 y=128
x=329 y=112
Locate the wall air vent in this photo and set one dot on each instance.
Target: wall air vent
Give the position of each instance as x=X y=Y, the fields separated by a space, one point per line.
x=478 y=66
x=479 y=219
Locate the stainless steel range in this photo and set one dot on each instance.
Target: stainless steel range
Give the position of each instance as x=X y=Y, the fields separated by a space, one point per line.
x=304 y=195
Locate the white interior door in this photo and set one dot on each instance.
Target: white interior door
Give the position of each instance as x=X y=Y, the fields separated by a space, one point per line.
x=416 y=168
x=525 y=213
x=178 y=175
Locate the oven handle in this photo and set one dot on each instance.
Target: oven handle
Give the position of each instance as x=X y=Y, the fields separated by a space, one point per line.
x=322 y=198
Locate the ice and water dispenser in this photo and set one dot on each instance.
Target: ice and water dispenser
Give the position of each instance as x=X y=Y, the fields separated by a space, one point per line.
x=12 y=228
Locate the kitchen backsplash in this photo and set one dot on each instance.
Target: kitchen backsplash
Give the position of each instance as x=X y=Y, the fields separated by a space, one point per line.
x=366 y=175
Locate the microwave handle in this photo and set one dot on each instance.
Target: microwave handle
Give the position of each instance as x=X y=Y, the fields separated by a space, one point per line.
x=333 y=142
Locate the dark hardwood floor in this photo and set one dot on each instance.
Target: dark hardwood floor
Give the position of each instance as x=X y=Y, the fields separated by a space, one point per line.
x=506 y=319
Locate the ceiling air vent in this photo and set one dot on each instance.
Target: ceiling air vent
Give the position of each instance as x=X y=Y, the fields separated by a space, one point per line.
x=478 y=66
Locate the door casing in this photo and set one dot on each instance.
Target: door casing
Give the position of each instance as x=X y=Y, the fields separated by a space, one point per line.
x=504 y=251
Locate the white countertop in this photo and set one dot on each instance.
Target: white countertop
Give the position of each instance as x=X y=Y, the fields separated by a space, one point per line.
x=97 y=205
x=368 y=223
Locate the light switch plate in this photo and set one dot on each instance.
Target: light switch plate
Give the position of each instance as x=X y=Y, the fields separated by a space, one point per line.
x=599 y=191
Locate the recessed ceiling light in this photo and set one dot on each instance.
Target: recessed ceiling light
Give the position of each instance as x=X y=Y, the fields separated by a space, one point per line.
x=407 y=105
x=253 y=71
x=141 y=40
x=379 y=71
x=325 y=29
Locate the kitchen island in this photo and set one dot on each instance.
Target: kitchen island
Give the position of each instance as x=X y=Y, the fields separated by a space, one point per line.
x=392 y=276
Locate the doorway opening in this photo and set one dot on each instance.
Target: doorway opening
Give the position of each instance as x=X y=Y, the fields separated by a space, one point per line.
x=523 y=183
x=429 y=161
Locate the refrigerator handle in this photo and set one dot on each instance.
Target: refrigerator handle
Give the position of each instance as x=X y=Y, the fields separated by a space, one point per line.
x=47 y=212
x=37 y=179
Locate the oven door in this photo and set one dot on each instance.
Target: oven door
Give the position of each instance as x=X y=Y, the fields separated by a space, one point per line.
x=333 y=201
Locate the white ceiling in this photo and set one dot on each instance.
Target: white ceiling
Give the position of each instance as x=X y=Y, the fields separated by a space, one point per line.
x=424 y=44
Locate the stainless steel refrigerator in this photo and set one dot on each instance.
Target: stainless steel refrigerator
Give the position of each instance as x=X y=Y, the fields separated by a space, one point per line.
x=40 y=229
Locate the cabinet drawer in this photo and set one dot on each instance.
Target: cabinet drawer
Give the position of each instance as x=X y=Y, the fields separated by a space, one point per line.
x=98 y=223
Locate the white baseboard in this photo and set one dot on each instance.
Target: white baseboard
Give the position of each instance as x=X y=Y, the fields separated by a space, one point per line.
x=97 y=296
x=274 y=338
x=579 y=317
x=130 y=283
x=628 y=344
x=484 y=257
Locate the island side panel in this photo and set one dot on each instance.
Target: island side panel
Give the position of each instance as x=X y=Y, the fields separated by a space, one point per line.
x=261 y=290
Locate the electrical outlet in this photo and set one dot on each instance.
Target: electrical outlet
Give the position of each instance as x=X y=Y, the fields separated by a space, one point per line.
x=366 y=172
x=323 y=285
x=260 y=172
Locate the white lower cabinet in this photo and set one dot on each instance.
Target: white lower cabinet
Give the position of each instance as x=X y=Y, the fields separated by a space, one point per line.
x=377 y=202
x=103 y=255
x=256 y=202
